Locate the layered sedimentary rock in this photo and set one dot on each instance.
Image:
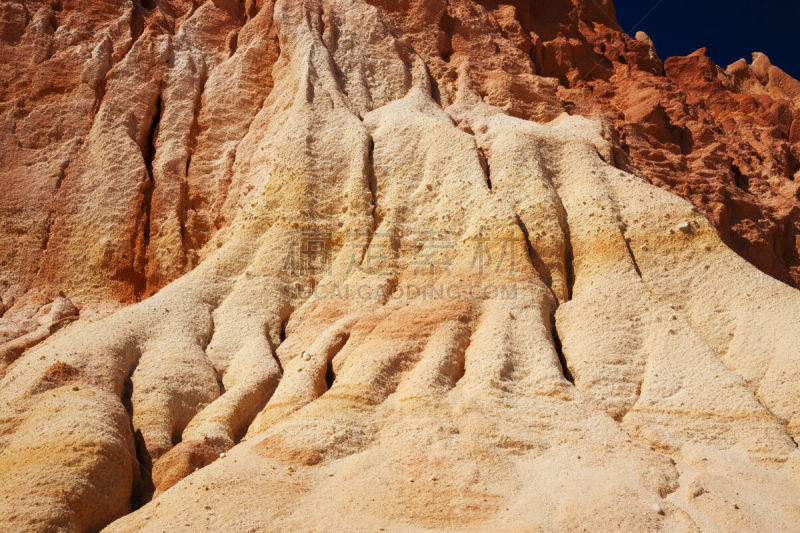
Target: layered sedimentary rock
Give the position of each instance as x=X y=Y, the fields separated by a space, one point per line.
x=353 y=265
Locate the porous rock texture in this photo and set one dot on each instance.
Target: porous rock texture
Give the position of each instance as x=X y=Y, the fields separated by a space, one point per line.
x=358 y=265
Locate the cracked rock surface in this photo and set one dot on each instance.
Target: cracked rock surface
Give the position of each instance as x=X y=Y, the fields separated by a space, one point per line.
x=337 y=265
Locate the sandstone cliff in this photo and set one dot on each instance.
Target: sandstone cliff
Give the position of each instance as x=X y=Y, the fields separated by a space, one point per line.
x=355 y=264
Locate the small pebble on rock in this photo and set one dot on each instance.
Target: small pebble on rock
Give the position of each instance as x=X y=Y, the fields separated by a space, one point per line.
x=657 y=508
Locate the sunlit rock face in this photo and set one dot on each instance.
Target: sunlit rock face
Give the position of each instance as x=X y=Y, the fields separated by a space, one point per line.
x=351 y=265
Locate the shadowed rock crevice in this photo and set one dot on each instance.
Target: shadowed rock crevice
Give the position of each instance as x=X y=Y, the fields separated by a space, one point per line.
x=330 y=375
x=282 y=334
x=148 y=155
x=631 y=255
x=141 y=11
x=445 y=42
x=533 y=257
x=486 y=168
x=372 y=184
x=194 y=132
x=151 y=136
x=560 y=352
x=569 y=256
x=100 y=92
x=456 y=367
x=142 y=489
x=335 y=347
x=740 y=179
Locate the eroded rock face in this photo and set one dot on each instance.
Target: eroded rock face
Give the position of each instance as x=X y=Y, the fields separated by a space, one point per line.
x=391 y=265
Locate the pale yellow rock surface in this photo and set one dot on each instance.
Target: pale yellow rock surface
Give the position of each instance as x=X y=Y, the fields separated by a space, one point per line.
x=460 y=257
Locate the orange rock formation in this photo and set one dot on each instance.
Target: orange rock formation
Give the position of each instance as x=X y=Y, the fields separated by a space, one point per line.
x=416 y=265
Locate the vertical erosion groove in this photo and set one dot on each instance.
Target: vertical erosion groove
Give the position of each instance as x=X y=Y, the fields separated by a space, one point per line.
x=633 y=257
x=560 y=352
x=143 y=488
x=487 y=171
x=569 y=258
x=283 y=331
x=148 y=155
x=273 y=346
x=149 y=149
x=332 y=350
x=372 y=184
x=138 y=19
x=233 y=43
x=445 y=44
x=210 y=337
x=459 y=367
x=330 y=375
x=535 y=259
x=563 y=222
x=194 y=132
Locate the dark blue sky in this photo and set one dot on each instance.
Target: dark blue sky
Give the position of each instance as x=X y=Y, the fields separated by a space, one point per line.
x=730 y=29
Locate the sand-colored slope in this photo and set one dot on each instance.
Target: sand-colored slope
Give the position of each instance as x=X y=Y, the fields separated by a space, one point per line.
x=506 y=332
